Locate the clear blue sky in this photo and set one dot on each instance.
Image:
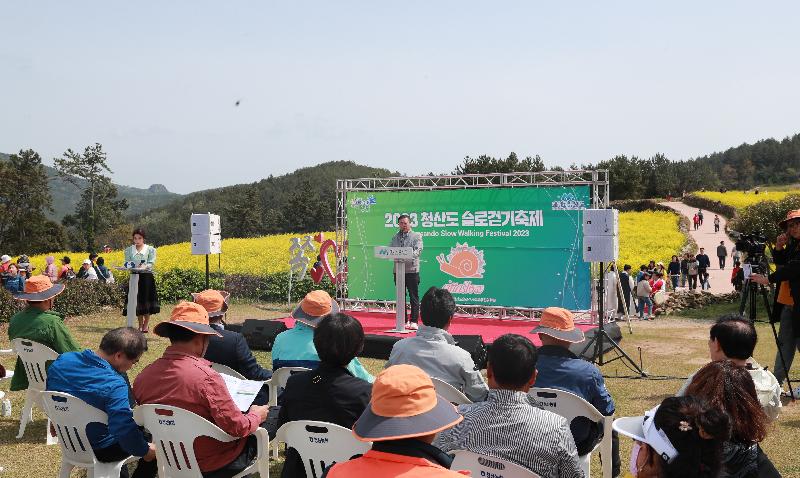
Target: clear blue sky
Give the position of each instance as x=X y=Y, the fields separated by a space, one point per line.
x=412 y=86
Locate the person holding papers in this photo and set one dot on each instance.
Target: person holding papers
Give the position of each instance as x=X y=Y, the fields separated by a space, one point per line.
x=230 y=348
x=183 y=378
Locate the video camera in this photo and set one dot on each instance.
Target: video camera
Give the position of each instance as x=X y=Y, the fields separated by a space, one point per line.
x=751 y=244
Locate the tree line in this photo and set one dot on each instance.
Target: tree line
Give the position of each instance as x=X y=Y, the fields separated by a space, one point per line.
x=305 y=200
x=24 y=226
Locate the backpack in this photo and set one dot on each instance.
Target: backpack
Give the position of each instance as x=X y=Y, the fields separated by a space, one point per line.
x=70 y=274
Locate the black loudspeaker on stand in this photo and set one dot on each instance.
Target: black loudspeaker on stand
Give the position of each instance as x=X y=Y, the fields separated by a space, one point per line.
x=260 y=334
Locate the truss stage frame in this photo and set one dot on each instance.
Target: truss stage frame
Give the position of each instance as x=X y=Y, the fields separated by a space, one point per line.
x=597 y=179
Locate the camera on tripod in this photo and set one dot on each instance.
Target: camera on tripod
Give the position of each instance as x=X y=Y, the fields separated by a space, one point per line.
x=751 y=244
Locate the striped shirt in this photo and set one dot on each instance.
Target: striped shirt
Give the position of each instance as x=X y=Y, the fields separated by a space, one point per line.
x=508 y=426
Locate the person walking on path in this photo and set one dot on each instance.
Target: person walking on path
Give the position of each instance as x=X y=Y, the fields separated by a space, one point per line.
x=707 y=239
x=696 y=222
x=704 y=263
x=716 y=223
x=700 y=216
x=722 y=253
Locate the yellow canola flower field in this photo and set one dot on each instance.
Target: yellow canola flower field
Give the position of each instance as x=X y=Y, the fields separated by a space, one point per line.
x=648 y=235
x=256 y=256
x=741 y=199
x=643 y=236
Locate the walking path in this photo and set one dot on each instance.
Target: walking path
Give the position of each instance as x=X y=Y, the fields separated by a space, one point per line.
x=706 y=238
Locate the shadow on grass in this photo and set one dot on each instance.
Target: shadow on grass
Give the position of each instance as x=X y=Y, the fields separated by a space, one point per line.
x=34 y=432
x=791 y=423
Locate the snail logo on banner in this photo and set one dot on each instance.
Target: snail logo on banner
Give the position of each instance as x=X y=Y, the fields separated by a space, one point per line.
x=568 y=202
x=463 y=262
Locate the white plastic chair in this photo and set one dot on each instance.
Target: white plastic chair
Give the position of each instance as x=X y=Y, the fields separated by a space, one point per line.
x=174 y=431
x=225 y=370
x=70 y=415
x=34 y=357
x=449 y=392
x=320 y=444
x=278 y=381
x=483 y=465
x=570 y=406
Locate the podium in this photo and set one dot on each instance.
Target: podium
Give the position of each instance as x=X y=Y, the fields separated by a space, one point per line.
x=133 y=292
x=399 y=255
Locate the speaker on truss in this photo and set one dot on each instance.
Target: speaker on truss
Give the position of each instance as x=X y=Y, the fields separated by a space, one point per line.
x=260 y=334
x=600 y=235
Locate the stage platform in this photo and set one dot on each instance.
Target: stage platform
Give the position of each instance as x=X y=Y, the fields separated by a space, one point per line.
x=379 y=342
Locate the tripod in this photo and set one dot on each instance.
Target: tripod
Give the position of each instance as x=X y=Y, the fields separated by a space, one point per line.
x=749 y=292
x=602 y=336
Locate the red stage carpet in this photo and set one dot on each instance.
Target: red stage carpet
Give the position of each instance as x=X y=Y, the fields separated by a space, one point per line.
x=377 y=323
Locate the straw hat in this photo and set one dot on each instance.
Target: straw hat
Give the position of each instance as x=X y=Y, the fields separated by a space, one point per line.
x=559 y=324
x=314 y=306
x=190 y=316
x=404 y=405
x=214 y=301
x=39 y=288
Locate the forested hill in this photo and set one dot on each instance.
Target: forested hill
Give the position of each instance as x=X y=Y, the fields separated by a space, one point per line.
x=302 y=201
x=765 y=162
x=768 y=161
x=65 y=195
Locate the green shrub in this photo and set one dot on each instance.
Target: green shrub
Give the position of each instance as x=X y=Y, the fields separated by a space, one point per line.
x=79 y=297
x=710 y=205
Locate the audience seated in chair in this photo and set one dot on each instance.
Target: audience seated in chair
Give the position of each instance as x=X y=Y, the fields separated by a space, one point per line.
x=729 y=387
x=295 y=347
x=507 y=425
x=183 y=378
x=435 y=351
x=563 y=370
x=39 y=323
x=230 y=348
x=401 y=421
x=734 y=338
x=329 y=393
x=98 y=378
x=680 y=438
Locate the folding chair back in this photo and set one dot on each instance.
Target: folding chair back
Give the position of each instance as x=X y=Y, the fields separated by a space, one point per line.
x=279 y=379
x=70 y=416
x=225 y=370
x=174 y=431
x=482 y=465
x=571 y=406
x=320 y=444
x=449 y=392
x=34 y=357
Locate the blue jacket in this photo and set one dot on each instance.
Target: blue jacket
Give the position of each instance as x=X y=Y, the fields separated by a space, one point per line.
x=16 y=284
x=87 y=376
x=561 y=369
x=295 y=348
x=232 y=350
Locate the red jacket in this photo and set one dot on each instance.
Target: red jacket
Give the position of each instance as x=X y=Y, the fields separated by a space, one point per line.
x=378 y=464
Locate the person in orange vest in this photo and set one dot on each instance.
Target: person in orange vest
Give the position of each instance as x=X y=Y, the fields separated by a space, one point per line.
x=402 y=419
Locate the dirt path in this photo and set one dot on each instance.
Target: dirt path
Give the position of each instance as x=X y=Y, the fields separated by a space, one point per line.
x=706 y=238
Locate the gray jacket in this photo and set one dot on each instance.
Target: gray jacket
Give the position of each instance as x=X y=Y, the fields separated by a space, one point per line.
x=409 y=239
x=435 y=351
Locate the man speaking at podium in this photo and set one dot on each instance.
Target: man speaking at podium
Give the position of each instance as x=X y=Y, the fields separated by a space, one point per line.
x=405 y=237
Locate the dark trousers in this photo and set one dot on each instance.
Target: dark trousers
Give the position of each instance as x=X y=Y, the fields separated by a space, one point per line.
x=412 y=286
x=245 y=458
x=692 y=282
x=721 y=262
x=144 y=469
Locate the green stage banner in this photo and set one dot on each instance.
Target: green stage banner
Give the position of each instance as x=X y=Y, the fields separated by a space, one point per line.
x=512 y=247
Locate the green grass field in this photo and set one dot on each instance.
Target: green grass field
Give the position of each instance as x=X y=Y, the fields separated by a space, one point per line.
x=670 y=347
